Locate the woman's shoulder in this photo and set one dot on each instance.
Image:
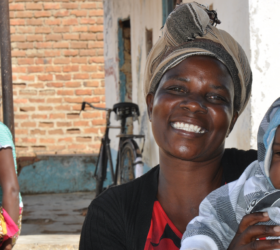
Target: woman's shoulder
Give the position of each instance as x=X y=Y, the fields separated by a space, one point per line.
x=235 y=161
x=129 y=193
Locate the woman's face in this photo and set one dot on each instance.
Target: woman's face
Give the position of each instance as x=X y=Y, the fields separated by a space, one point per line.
x=192 y=110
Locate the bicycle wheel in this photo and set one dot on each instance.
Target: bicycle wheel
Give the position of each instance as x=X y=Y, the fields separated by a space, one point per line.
x=128 y=154
x=101 y=170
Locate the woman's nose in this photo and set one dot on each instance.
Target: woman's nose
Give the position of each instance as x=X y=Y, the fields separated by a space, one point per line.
x=194 y=105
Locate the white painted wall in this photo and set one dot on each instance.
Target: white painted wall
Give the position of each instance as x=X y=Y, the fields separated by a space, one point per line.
x=265 y=54
x=143 y=14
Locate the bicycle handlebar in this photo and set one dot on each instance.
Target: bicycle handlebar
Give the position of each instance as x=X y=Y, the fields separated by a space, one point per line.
x=87 y=103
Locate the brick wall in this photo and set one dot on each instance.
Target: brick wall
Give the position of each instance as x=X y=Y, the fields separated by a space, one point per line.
x=57 y=57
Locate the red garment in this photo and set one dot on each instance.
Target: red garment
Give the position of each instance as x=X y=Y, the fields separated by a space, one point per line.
x=163 y=235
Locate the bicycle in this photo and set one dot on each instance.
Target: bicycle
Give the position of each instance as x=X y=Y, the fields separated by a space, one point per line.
x=129 y=163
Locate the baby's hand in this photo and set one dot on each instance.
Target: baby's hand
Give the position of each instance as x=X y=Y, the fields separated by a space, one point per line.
x=248 y=233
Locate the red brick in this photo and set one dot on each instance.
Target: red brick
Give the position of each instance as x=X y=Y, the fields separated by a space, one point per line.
x=47 y=92
x=61 y=45
x=21 y=131
x=25 y=61
x=65 y=92
x=79 y=60
x=24 y=14
x=45 y=77
x=73 y=99
x=73 y=6
x=27 y=78
x=83 y=92
x=79 y=45
x=28 y=124
x=77 y=146
x=28 y=92
x=17 y=22
x=88 y=6
x=39 y=116
x=64 y=124
x=87 y=21
x=61 y=29
x=51 y=6
x=38 y=100
x=62 y=13
x=70 y=22
x=20 y=101
x=95 y=99
x=80 y=29
x=88 y=37
x=96 y=13
x=54 y=37
x=43 y=30
x=89 y=68
x=38 y=132
x=45 y=108
x=63 y=107
x=63 y=77
x=35 y=38
x=71 y=68
x=21 y=116
x=84 y=139
x=91 y=130
x=33 y=6
x=18 y=53
x=56 y=132
x=42 y=14
x=47 y=140
x=55 y=84
x=43 y=61
x=73 y=116
x=46 y=124
x=45 y=45
x=34 y=22
x=70 y=53
x=91 y=115
x=29 y=140
x=61 y=60
x=57 y=116
x=66 y=139
x=19 y=69
x=35 y=69
x=100 y=52
x=53 y=69
x=100 y=20
x=36 y=85
x=98 y=76
x=81 y=123
x=71 y=36
x=54 y=100
x=51 y=53
x=86 y=52
x=95 y=45
x=16 y=6
x=72 y=84
x=17 y=38
x=98 y=122
x=81 y=76
x=79 y=13
x=91 y=84
x=52 y=22
x=97 y=60
x=96 y=28
x=100 y=37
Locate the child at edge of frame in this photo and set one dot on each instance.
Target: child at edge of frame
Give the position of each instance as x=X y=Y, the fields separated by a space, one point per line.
x=10 y=199
x=257 y=190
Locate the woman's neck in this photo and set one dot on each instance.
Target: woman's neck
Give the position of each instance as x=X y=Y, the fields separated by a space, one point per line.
x=184 y=184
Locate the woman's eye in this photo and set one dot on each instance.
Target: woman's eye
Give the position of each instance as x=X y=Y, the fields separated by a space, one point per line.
x=178 y=89
x=216 y=98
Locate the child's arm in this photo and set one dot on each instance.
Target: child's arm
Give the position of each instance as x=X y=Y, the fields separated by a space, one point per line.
x=9 y=184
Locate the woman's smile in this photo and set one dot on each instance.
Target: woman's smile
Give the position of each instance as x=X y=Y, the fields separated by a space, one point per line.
x=195 y=100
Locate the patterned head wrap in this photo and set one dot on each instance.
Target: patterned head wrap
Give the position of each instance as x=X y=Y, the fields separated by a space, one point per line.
x=189 y=31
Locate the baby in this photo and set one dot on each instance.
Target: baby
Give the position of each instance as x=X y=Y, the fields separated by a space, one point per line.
x=257 y=189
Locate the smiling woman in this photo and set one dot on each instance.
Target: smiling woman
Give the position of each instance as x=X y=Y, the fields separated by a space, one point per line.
x=197 y=82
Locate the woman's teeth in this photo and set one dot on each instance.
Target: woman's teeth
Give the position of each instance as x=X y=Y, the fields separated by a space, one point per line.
x=188 y=127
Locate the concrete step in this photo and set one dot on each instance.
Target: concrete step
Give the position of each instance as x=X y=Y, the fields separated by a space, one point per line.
x=48 y=242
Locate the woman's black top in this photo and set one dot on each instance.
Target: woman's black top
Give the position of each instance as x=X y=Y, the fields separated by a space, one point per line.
x=119 y=219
